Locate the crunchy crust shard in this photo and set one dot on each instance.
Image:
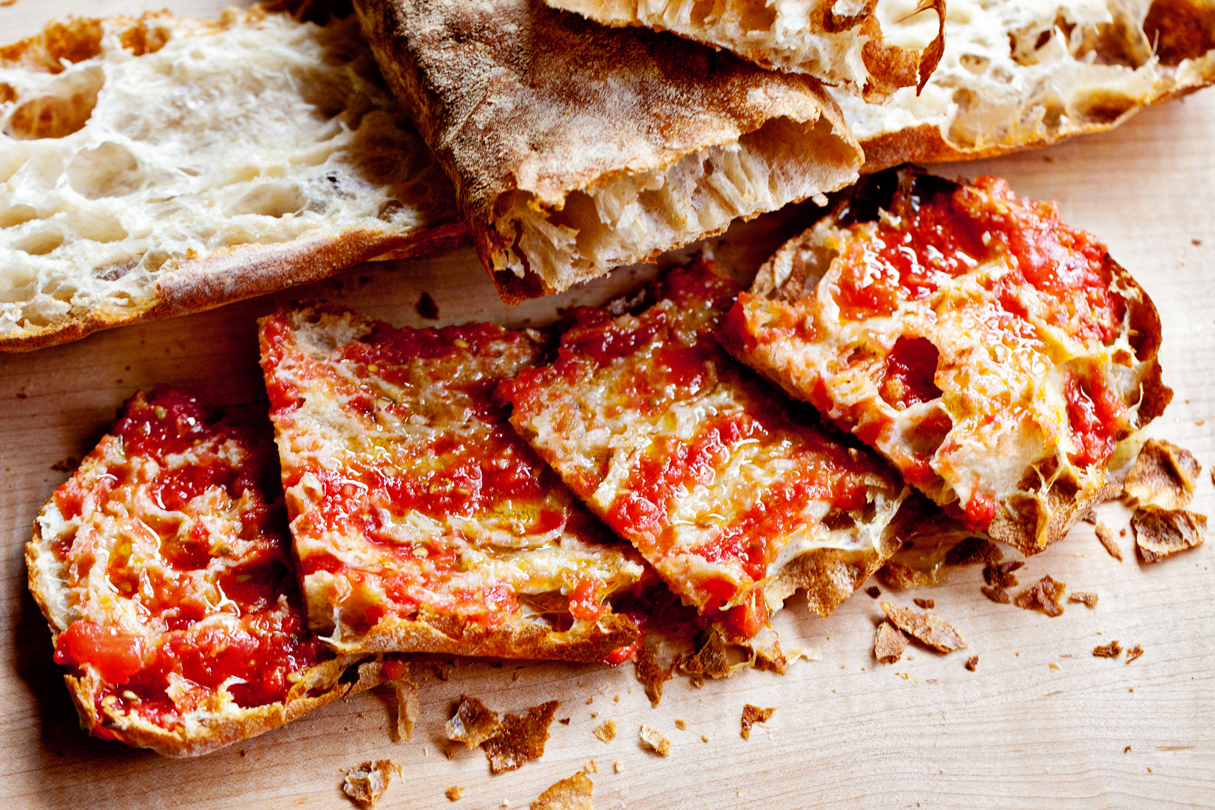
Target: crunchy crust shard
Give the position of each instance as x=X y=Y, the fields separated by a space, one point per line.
x=752 y=715
x=901 y=362
x=606 y=731
x=1111 y=650
x=1043 y=595
x=1106 y=536
x=1133 y=653
x=655 y=740
x=473 y=723
x=996 y=594
x=853 y=49
x=205 y=717
x=471 y=546
x=366 y=783
x=1161 y=532
x=926 y=627
x=1020 y=75
x=521 y=739
x=230 y=223
x=1001 y=574
x=575 y=149
x=650 y=672
x=972 y=663
x=1089 y=598
x=889 y=643
x=1163 y=476
x=573 y=793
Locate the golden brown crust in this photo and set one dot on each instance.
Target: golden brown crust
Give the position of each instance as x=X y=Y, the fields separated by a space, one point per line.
x=246 y=272
x=830 y=575
x=573 y=793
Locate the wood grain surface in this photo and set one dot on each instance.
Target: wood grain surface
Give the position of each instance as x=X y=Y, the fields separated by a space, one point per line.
x=1041 y=723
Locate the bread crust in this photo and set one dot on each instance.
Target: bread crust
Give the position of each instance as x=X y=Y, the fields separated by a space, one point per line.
x=1045 y=504
x=195 y=277
x=527 y=108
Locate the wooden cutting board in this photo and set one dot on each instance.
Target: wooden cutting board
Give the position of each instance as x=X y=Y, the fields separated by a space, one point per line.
x=1040 y=723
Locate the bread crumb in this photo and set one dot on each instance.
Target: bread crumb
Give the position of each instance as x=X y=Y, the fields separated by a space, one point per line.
x=1111 y=650
x=1054 y=667
x=1000 y=575
x=926 y=627
x=996 y=594
x=618 y=766
x=972 y=663
x=681 y=724
x=889 y=643
x=617 y=698
x=594 y=715
x=454 y=793
x=704 y=737
x=1126 y=750
x=573 y=793
x=590 y=767
x=473 y=723
x=1133 y=653
x=1162 y=532
x=565 y=721
x=655 y=740
x=1043 y=595
x=605 y=731
x=873 y=591
x=590 y=700
x=752 y=715
x=367 y=782
x=650 y=672
x=521 y=739
x=927 y=604
x=1089 y=598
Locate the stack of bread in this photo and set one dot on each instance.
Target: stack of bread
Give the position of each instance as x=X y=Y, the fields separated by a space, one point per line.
x=928 y=353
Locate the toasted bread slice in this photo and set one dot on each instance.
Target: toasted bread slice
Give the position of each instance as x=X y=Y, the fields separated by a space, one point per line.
x=576 y=149
x=162 y=566
x=996 y=356
x=421 y=522
x=160 y=165
x=1027 y=74
x=732 y=491
x=851 y=48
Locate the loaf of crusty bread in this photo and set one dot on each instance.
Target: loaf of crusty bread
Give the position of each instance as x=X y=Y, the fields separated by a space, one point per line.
x=576 y=149
x=1029 y=73
x=159 y=165
x=848 y=45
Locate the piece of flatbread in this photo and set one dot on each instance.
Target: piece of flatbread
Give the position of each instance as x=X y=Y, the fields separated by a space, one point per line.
x=849 y=45
x=156 y=166
x=163 y=568
x=1031 y=72
x=735 y=493
x=576 y=149
x=420 y=520
x=996 y=356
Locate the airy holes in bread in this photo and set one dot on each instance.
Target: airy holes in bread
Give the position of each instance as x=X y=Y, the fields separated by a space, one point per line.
x=1103 y=106
x=15 y=215
x=1169 y=25
x=64 y=108
x=110 y=170
x=269 y=200
x=39 y=243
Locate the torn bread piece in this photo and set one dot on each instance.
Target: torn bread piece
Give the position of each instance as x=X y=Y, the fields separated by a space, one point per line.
x=733 y=492
x=996 y=356
x=1163 y=476
x=365 y=784
x=852 y=46
x=576 y=149
x=924 y=626
x=420 y=520
x=156 y=166
x=1029 y=73
x=1161 y=532
x=162 y=566
x=573 y=793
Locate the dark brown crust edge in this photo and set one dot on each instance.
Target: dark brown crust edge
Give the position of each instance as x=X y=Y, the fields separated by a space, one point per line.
x=435 y=633
x=247 y=271
x=320 y=685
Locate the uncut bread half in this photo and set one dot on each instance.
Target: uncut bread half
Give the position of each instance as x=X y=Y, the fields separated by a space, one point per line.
x=735 y=493
x=157 y=166
x=163 y=568
x=1029 y=73
x=995 y=355
x=420 y=520
x=576 y=149
x=852 y=47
